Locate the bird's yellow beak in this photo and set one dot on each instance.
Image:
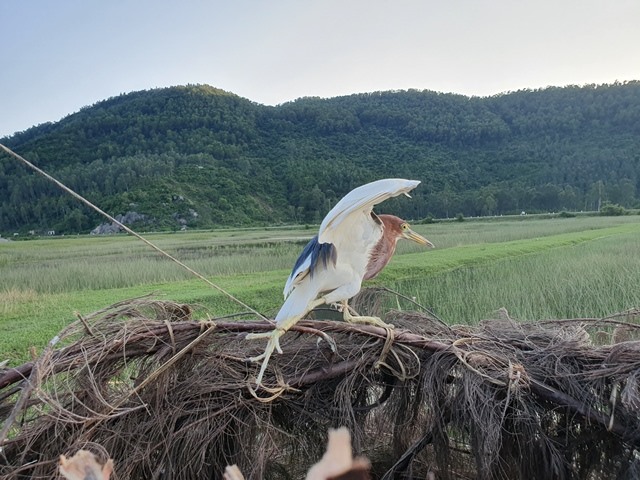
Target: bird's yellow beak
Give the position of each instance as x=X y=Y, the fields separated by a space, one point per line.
x=415 y=237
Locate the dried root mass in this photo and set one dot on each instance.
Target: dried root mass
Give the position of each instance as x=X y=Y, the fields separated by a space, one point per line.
x=169 y=397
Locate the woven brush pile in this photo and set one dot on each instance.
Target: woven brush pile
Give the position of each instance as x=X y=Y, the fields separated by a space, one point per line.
x=168 y=397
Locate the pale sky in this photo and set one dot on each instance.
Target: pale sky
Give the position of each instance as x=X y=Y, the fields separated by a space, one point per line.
x=57 y=56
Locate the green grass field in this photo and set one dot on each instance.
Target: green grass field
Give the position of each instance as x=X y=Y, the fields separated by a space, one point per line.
x=536 y=268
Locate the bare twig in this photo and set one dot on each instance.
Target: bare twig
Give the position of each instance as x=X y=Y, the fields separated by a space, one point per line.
x=480 y=387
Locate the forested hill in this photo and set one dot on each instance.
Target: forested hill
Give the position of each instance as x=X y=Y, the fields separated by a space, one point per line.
x=202 y=157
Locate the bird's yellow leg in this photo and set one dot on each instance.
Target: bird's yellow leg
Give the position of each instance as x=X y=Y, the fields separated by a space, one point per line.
x=272 y=344
x=274 y=340
x=346 y=314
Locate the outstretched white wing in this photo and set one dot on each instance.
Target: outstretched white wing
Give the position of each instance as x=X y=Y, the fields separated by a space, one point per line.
x=355 y=207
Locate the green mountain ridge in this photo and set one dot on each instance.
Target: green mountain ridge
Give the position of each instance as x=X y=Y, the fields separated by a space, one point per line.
x=201 y=157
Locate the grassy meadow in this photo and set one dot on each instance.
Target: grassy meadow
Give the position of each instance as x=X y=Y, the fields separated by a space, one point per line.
x=536 y=268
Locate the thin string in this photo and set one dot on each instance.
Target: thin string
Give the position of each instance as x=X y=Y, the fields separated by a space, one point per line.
x=128 y=230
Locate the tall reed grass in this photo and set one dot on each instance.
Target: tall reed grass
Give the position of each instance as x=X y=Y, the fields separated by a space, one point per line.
x=94 y=263
x=90 y=263
x=590 y=279
x=536 y=269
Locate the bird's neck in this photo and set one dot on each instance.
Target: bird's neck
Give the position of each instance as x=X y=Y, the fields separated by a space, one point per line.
x=380 y=256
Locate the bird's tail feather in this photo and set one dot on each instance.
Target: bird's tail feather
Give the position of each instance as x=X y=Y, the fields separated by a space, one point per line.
x=297 y=304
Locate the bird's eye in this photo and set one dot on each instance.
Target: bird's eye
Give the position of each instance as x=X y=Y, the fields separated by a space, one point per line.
x=404 y=226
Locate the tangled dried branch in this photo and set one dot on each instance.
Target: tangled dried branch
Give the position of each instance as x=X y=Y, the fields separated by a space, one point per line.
x=169 y=397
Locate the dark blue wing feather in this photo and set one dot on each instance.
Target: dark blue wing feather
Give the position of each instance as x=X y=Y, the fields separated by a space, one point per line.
x=313 y=255
x=319 y=252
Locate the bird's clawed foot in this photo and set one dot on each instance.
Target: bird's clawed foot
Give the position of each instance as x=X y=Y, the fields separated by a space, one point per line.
x=272 y=344
x=343 y=307
x=363 y=319
x=274 y=340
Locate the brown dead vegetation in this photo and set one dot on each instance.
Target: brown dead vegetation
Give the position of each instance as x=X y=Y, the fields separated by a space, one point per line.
x=169 y=397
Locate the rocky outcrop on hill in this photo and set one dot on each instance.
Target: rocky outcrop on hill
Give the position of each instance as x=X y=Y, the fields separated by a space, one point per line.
x=126 y=219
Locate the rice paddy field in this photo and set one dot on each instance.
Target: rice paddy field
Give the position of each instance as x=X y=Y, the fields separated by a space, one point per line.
x=536 y=268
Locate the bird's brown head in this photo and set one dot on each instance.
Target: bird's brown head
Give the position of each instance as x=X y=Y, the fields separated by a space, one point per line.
x=395 y=228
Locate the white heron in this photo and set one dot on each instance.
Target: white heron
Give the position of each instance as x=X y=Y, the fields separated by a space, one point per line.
x=352 y=245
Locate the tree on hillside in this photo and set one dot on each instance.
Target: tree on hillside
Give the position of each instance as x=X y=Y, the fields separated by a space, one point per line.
x=235 y=162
